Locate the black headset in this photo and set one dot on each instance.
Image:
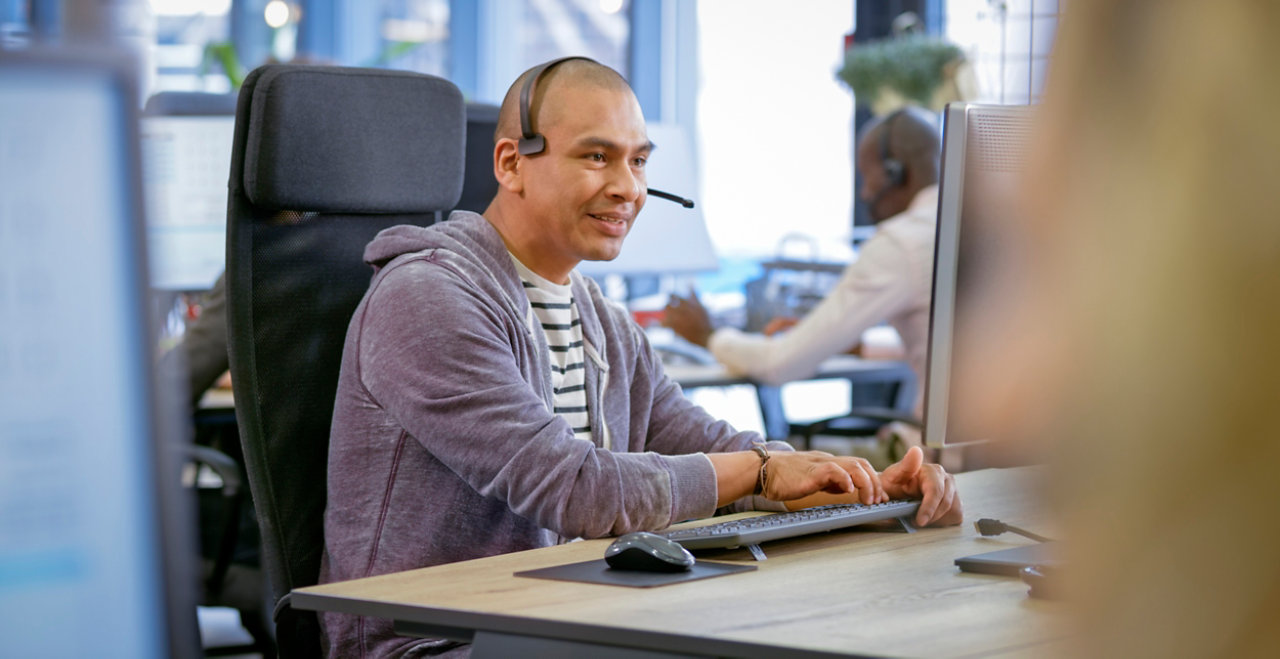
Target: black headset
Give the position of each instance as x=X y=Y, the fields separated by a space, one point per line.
x=532 y=142
x=894 y=170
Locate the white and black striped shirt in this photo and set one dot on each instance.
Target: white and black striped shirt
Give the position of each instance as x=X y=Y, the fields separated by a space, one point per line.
x=555 y=310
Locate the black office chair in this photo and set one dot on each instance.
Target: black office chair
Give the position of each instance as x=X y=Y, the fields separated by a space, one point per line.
x=324 y=159
x=190 y=104
x=873 y=404
x=478 y=184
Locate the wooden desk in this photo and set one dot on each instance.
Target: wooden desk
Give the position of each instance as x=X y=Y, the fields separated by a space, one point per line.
x=849 y=592
x=217 y=399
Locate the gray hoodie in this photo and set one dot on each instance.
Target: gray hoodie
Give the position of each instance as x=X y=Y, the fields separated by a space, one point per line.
x=444 y=446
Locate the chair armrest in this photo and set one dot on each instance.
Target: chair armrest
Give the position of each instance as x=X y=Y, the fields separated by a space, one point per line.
x=228 y=470
x=233 y=494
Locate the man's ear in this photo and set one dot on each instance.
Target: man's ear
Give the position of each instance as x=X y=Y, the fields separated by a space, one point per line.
x=508 y=165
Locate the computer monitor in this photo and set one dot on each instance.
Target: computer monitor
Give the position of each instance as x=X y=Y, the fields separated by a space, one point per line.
x=983 y=152
x=186 y=157
x=94 y=554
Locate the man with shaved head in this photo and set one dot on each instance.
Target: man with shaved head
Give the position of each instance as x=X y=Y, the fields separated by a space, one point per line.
x=492 y=400
x=890 y=281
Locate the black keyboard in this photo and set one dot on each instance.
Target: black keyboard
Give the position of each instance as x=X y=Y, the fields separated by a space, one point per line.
x=776 y=526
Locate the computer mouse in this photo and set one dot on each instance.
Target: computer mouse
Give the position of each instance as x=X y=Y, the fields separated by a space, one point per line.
x=647 y=552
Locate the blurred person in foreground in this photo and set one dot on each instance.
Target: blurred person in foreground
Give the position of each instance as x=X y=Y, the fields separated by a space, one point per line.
x=1152 y=366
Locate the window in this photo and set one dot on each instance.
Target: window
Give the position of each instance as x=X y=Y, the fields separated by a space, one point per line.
x=775 y=125
x=1008 y=42
x=185 y=29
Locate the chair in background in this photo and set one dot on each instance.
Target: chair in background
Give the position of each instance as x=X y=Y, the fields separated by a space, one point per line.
x=479 y=187
x=888 y=398
x=324 y=159
x=190 y=104
x=872 y=405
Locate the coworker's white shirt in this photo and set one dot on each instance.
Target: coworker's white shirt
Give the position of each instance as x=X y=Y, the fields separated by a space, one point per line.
x=891 y=280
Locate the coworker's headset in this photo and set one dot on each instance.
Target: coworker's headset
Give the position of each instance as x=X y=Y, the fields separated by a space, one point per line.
x=894 y=171
x=532 y=143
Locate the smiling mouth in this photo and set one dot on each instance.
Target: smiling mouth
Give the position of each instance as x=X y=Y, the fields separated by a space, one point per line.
x=608 y=218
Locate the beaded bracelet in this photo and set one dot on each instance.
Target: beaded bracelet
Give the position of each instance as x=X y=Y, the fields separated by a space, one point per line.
x=764 y=466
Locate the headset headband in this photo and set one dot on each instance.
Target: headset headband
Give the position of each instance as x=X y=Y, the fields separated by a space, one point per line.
x=530 y=142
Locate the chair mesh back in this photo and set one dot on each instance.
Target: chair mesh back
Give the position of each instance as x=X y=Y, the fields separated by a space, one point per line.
x=294 y=277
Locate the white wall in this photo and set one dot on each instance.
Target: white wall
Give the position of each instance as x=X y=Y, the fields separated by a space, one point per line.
x=775 y=124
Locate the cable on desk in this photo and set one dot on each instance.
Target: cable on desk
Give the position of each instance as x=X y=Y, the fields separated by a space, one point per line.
x=990 y=527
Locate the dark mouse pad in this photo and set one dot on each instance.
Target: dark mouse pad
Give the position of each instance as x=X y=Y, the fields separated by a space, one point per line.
x=598 y=571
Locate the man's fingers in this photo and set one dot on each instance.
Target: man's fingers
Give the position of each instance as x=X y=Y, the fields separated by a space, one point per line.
x=865 y=479
x=837 y=480
x=939 y=490
x=910 y=463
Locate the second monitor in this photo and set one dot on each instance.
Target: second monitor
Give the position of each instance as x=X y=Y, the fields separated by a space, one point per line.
x=983 y=153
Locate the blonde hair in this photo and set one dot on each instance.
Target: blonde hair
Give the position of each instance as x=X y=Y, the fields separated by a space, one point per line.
x=1155 y=220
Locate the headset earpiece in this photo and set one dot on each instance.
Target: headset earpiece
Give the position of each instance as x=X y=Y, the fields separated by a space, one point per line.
x=532 y=142
x=894 y=170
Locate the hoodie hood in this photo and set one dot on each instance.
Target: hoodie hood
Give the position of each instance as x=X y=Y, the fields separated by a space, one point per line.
x=469 y=245
x=466 y=244
x=465 y=232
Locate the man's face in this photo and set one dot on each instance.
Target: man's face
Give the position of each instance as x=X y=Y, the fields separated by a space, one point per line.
x=584 y=191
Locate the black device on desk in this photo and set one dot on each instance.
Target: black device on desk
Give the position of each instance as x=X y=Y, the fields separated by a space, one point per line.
x=648 y=552
x=754 y=530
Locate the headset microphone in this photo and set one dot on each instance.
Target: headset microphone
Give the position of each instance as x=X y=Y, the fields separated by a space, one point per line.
x=687 y=203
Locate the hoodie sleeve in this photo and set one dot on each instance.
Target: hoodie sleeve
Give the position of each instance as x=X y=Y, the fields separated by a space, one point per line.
x=448 y=363
x=678 y=425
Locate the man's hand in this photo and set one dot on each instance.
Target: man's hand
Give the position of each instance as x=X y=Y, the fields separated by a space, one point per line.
x=795 y=475
x=780 y=324
x=911 y=478
x=688 y=318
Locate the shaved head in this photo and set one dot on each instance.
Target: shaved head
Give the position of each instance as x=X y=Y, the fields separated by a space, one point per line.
x=576 y=72
x=575 y=196
x=913 y=140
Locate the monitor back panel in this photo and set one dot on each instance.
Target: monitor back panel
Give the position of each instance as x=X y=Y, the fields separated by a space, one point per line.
x=90 y=548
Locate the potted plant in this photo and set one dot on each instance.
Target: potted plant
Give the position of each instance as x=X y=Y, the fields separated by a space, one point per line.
x=917 y=69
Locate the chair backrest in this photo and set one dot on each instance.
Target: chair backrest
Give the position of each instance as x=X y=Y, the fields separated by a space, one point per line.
x=478 y=183
x=189 y=104
x=324 y=158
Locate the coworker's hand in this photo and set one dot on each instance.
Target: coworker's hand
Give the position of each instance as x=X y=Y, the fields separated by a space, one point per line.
x=779 y=324
x=911 y=478
x=792 y=475
x=688 y=318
